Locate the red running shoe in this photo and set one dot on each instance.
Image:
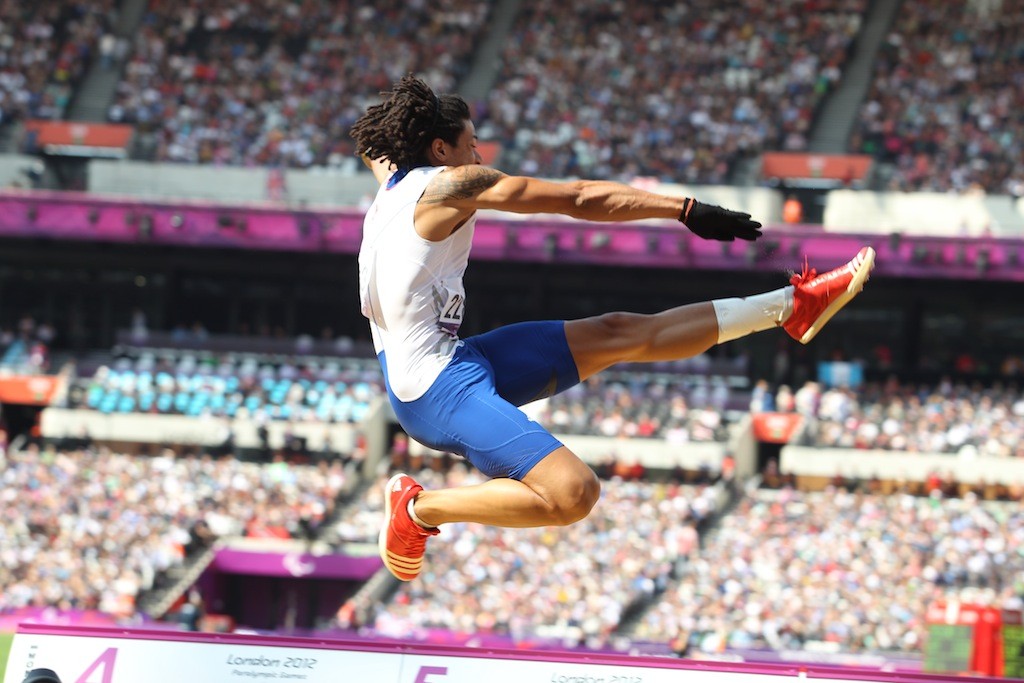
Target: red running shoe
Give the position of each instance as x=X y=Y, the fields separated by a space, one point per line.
x=402 y=541
x=816 y=298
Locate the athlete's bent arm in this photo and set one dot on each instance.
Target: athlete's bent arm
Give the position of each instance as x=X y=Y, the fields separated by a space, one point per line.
x=381 y=168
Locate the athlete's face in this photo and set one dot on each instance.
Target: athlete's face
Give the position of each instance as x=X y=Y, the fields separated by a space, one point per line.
x=464 y=151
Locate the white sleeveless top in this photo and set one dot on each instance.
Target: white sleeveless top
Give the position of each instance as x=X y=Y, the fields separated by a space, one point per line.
x=410 y=288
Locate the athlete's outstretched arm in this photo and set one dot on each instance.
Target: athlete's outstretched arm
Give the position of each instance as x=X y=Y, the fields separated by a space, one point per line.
x=476 y=187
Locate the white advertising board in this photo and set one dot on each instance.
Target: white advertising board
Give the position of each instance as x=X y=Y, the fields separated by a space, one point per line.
x=109 y=660
x=81 y=655
x=434 y=669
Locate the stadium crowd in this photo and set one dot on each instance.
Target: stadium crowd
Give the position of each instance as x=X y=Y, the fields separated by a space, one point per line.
x=92 y=528
x=617 y=90
x=594 y=91
x=946 y=99
x=279 y=83
x=679 y=408
x=243 y=386
x=948 y=418
x=784 y=569
x=851 y=571
x=45 y=48
x=25 y=347
x=570 y=583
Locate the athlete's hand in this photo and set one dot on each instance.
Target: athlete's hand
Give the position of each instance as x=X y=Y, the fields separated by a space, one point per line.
x=712 y=222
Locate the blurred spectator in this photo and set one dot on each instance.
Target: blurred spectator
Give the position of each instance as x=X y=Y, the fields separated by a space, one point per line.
x=792 y=210
x=26 y=349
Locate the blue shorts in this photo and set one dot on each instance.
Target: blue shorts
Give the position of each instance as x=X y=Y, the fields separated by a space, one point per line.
x=470 y=409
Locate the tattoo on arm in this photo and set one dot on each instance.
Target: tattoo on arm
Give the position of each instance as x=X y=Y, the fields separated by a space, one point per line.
x=460 y=184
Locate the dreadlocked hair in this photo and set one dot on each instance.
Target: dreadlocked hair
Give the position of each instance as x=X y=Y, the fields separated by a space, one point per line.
x=411 y=116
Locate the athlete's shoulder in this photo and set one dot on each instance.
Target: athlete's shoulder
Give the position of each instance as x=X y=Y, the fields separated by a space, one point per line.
x=460 y=182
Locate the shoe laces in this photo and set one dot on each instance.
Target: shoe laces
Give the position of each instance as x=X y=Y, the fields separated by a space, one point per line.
x=806 y=274
x=413 y=544
x=414 y=539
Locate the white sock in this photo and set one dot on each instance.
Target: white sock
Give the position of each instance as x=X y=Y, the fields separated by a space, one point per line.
x=740 y=317
x=412 y=513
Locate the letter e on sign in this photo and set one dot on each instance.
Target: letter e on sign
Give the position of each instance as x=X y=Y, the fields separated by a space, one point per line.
x=106 y=661
x=430 y=674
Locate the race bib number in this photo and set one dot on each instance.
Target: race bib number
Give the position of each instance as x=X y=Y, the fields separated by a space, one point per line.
x=451 y=314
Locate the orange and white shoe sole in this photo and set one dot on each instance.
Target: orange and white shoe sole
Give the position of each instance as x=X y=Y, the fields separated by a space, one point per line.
x=852 y=290
x=382 y=538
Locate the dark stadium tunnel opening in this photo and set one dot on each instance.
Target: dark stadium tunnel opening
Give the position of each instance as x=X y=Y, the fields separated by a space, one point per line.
x=20 y=420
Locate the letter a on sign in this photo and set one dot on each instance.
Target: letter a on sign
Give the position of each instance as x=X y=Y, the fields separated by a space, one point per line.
x=429 y=674
x=106 y=661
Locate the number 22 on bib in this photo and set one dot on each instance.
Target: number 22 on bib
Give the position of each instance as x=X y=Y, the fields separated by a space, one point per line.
x=451 y=313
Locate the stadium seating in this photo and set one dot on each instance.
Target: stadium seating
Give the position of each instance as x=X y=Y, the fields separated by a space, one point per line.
x=838 y=571
x=677 y=406
x=45 y=48
x=232 y=385
x=617 y=90
x=275 y=85
x=25 y=348
x=569 y=583
x=91 y=529
x=949 y=418
x=944 y=106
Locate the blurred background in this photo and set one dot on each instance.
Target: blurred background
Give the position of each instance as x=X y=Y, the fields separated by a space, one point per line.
x=193 y=429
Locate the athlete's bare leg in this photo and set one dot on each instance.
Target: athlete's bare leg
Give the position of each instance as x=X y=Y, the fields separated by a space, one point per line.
x=559 y=490
x=602 y=341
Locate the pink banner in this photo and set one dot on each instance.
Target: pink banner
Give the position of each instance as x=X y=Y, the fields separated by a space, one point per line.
x=296 y=565
x=71 y=216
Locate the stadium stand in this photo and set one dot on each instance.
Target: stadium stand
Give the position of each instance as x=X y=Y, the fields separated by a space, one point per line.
x=679 y=406
x=276 y=83
x=92 y=528
x=949 y=418
x=232 y=385
x=45 y=48
x=605 y=90
x=24 y=348
x=944 y=106
x=685 y=106
x=571 y=583
x=848 y=571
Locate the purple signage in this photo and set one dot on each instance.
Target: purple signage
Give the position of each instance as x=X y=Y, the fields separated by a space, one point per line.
x=52 y=616
x=295 y=565
x=74 y=216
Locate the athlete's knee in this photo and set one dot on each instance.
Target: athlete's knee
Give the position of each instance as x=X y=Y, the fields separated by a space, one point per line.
x=623 y=333
x=575 y=499
x=619 y=324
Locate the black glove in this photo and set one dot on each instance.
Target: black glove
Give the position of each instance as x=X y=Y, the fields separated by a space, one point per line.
x=715 y=223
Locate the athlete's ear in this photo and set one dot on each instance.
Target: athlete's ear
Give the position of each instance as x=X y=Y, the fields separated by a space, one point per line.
x=439 y=150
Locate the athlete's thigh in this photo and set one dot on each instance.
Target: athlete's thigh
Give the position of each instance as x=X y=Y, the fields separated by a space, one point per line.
x=530 y=360
x=462 y=413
